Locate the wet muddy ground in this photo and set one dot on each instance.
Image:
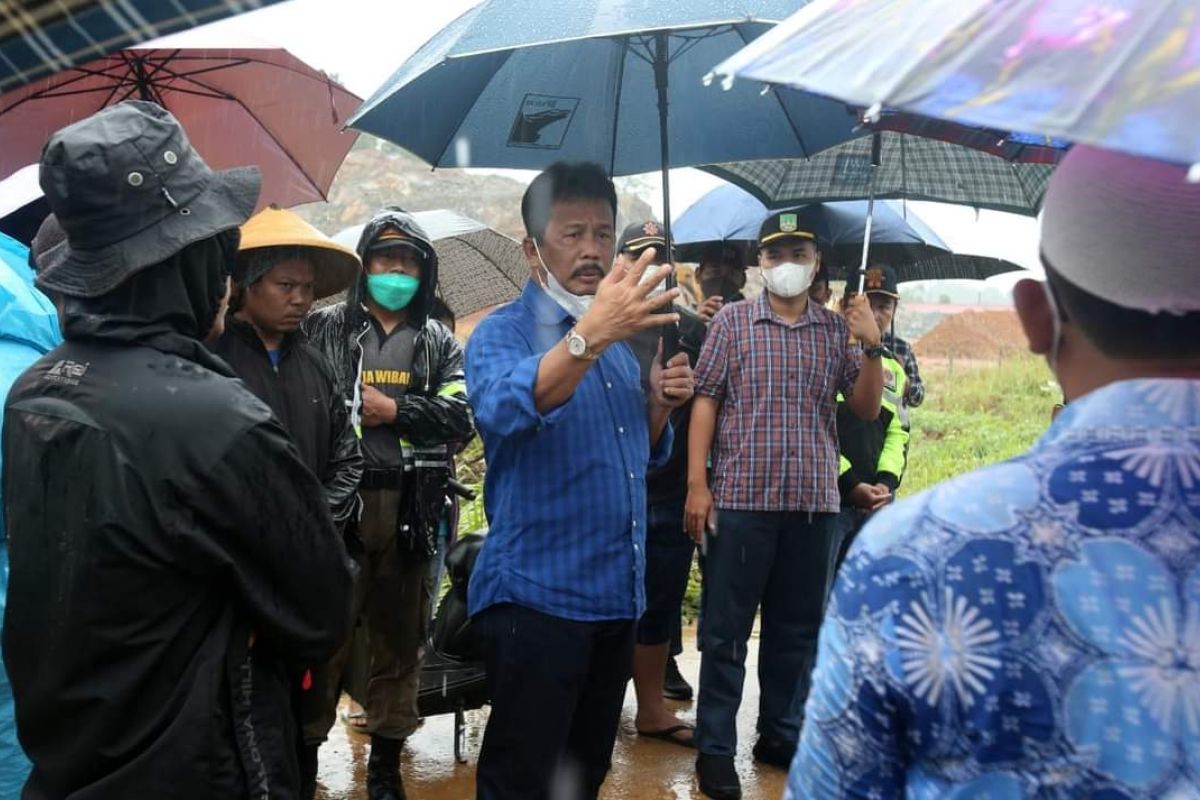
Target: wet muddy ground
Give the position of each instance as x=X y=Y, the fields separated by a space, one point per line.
x=642 y=769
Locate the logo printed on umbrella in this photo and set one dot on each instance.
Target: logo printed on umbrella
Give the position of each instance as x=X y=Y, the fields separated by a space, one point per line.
x=542 y=121
x=852 y=169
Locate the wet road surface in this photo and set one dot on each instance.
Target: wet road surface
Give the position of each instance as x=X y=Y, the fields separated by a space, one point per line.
x=642 y=769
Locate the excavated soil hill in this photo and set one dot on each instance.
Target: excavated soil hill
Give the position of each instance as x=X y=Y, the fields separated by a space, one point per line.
x=973 y=335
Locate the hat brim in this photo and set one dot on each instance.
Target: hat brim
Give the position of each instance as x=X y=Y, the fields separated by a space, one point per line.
x=50 y=259
x=226 y=202
x=642 y=242
x=335 y=268
x=388 y=244
x=781 y=235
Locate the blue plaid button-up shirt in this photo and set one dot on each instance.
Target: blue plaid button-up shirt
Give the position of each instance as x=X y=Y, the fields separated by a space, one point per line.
x=565 y=492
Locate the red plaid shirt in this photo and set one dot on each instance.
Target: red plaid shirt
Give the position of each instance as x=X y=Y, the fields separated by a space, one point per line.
x=777 y=446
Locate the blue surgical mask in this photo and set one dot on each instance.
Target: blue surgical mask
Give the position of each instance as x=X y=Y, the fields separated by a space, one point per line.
x=391 y=290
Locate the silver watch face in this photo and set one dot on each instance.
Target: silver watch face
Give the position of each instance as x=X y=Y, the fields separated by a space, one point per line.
x=576 y=345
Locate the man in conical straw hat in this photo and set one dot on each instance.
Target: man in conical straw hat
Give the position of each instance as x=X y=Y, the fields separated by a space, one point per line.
x=284 y=265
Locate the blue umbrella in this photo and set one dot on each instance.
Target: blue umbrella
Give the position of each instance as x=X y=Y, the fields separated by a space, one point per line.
x=43 y=38
x=1121 y=74
x=28 y=326
x=898 y=236
x=522 y=83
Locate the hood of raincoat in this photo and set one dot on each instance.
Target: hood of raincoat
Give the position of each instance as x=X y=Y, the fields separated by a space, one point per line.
x=26 y=315
x=406 y=224
x=169 y=307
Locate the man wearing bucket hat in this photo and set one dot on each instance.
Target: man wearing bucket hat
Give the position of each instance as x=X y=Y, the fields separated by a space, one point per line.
x=401 y=371
x=171 y=554
x=1032 y=629
x=283 y=265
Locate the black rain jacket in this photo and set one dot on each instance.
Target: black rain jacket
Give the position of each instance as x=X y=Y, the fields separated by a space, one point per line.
x=435 y=409
x=170 y=555
x=302 y=391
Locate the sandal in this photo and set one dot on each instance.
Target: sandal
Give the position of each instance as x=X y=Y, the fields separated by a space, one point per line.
x=355 y=719
x=671 y=735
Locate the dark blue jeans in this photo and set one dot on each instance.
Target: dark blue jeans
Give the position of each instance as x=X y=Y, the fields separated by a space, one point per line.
x=669 y=553
x=781 y=561
x=557 y=687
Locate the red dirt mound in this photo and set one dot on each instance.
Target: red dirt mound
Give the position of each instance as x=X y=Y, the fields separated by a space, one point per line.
x=982 y=335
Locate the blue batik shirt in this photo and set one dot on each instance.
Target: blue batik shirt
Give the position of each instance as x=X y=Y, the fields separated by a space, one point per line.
x=1030 y=630
x=565 y=492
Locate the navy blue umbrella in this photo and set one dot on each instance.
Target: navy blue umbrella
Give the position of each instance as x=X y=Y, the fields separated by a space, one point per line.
x=898 y=236
x=40 y=38
x=523 y=83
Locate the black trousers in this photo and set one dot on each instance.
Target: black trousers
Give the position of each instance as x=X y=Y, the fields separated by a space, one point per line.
x=557 y=688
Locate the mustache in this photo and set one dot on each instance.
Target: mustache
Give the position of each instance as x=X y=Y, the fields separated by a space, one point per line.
x=587 y=269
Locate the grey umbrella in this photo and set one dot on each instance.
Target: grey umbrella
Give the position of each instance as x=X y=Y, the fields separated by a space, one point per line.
x=477 y=266
x=907 y=168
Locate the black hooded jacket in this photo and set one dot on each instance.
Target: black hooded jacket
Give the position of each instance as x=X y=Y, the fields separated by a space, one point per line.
x=302 y=391
x=435 y=409
x=170 y=555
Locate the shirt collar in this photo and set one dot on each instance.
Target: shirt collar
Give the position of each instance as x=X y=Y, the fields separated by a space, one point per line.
x=542 y=305
x=1143 y=404
x=811 y=316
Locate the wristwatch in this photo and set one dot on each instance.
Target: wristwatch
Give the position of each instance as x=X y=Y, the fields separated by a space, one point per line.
x=578 y=346
x=878 y=351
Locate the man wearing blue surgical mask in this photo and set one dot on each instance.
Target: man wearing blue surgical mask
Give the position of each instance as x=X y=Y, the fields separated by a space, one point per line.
x=402 y=374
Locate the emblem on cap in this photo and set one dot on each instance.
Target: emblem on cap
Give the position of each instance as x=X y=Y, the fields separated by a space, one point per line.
x=650 y=229
x=875 y=278
x=788 y=223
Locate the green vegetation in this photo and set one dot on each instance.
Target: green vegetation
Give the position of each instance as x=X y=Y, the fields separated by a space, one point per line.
x=975 y=416
x=972 y=416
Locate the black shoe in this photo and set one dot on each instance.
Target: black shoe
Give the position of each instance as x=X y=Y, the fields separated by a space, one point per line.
x=308 y=771
x=775 y=752
x=674 y=685
x=718 y=778
x=383 y=770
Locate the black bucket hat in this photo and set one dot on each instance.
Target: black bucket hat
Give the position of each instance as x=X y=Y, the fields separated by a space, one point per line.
x=130 y=192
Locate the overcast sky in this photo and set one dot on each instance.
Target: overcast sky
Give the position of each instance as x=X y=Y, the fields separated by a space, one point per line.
x=364 y=41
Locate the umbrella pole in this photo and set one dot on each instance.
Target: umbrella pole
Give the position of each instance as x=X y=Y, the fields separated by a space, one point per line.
x=662 y=62
x=876 y=157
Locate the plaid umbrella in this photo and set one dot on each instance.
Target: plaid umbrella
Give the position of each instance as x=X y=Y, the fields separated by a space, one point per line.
x=910 y=168
x=41 y=37
x=942 y=267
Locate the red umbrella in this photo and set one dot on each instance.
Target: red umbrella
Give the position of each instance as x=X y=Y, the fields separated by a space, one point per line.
x=239 y=106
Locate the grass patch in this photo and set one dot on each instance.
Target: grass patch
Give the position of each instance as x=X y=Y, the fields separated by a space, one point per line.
x=977 y=415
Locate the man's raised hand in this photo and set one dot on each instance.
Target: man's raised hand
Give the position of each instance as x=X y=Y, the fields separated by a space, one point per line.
x=623 y=305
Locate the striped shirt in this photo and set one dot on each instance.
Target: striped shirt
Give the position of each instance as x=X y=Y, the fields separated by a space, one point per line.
x=565 y=492
x=776 y=446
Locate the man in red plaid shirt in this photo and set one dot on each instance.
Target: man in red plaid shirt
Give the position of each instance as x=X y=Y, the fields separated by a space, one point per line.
x=766 y=388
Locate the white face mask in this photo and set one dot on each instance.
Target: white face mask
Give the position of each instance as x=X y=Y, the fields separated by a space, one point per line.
x=647 y=275
x=574 y=304
x=789 y=279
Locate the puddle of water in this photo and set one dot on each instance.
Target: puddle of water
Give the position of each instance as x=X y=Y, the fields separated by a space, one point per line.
x=642 y=769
